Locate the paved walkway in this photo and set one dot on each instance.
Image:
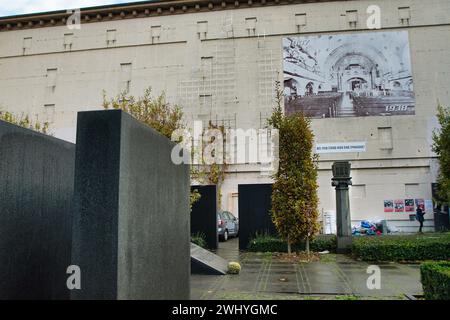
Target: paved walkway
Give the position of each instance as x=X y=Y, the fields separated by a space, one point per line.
x=229 y=250
x=264 y=276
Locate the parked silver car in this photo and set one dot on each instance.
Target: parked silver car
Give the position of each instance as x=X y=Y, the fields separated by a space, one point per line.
x=227 y=225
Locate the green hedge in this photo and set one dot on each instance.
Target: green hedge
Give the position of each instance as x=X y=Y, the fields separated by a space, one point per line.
x=402 y=248
x=435 y=277
x=266 y=243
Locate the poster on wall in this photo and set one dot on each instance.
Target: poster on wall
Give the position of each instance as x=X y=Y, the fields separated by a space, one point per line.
x=409 y=205
x=399 y=205
x=388 y=206
x=348 y=75
x=421 y=203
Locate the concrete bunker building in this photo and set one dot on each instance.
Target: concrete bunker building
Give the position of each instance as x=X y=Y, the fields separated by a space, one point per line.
x=219 y=60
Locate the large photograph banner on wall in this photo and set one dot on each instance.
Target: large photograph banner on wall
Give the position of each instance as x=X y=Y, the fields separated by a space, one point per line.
x=348 y=75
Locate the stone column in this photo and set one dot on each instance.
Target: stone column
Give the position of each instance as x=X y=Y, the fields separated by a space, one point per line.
x=341 y=180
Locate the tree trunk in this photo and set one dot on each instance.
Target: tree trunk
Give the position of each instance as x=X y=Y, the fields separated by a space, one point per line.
x=289 y=246
x=307 y=245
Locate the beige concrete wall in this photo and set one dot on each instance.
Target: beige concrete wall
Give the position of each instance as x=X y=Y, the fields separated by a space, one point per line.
x=238 y=72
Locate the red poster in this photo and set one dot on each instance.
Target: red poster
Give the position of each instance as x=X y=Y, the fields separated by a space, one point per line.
x=399 y=205
x=420 y=203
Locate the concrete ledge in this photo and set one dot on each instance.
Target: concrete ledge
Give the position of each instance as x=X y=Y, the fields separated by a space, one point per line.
x=206 y=262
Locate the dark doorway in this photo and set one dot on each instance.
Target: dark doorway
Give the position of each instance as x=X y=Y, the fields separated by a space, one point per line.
x=309 y=89
x=204 y=215
x=254 y=212
x=357 y=83
x=441 y=211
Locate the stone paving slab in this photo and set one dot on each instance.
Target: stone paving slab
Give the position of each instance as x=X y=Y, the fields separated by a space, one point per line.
x=264 y=276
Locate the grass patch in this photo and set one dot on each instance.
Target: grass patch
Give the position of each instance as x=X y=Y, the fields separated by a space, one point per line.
x=347 y=297
x=256 y=296
x=328 y=258
x=199 y=239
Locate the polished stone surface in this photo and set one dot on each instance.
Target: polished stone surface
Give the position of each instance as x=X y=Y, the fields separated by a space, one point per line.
x=255 y=203
x=36 y=190
x=204 y=215
x=131 y=225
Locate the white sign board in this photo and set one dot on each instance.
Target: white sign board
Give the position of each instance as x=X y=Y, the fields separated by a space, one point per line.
x=429 y=206
x=340 y=147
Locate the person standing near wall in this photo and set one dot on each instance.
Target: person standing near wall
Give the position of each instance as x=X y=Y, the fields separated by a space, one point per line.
x=420 y=212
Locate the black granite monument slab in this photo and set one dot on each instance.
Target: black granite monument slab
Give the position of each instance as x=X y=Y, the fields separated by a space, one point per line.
x=36 y=190
x=131 y=218
x=255 y=203
x=204 y=215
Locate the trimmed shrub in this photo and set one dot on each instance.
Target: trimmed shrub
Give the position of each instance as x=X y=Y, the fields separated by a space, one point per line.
x=402 y=248
x=199 y=239
x=267 y=243
x=234 y=268
x=435 y=278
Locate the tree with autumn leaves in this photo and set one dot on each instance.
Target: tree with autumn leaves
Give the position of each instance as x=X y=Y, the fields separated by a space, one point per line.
x=441 y=146
x=165 y=118
x=153 y=111
x=24 y=121
x=294 y=192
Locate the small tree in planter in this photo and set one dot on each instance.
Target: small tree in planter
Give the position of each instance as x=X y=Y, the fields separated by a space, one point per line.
x=155 y=112
x=294 y=195
x=165 y=118
x=441 y=146
x=24 y=121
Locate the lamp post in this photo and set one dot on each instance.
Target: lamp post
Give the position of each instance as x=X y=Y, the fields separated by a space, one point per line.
x=341 y=181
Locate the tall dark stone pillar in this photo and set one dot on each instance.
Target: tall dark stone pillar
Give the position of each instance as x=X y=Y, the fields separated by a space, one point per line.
x=131 y=220
x=342 y=180
x=204 y=215
x=255 y=203
x=36 y=190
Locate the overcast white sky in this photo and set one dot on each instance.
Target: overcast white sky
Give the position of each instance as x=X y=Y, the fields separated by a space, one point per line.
x=13 y=7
